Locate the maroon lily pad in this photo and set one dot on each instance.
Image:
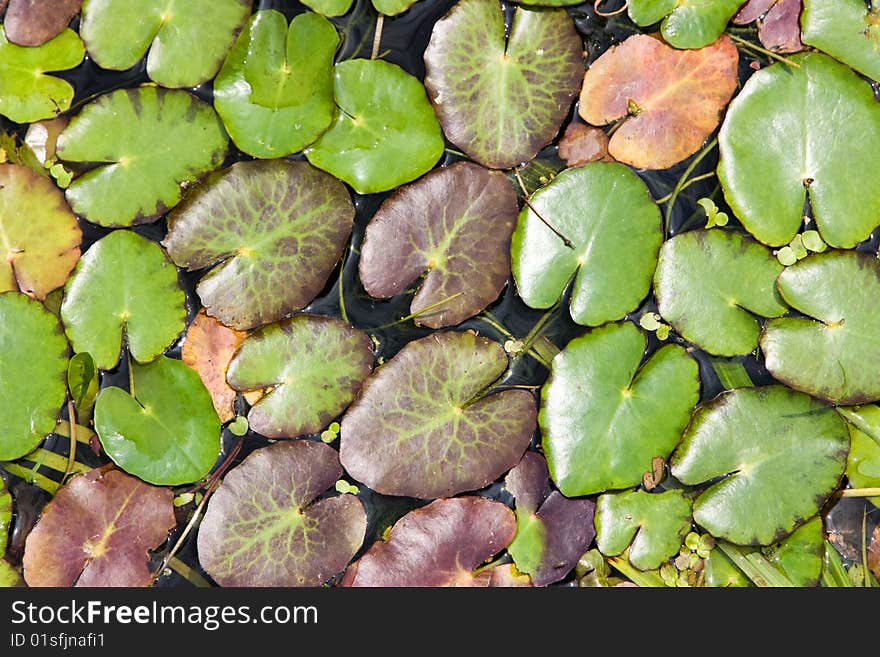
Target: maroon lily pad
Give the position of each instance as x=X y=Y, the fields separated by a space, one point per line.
x=780 y=29
x=582 y=143
x=266 y=526
x=98 y=531
x=752 y=11
x=441 y=544
x=553 y=531
x=455 y=223
x=420 y=427
x=34 y=22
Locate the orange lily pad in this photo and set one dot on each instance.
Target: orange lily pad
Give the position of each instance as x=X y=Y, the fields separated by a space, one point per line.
x=670 y=100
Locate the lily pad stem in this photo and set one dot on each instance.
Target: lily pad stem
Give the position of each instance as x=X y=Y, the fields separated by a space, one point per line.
x=71 y=452
x=647 y=579
x=834 y=573
x=377 y=36
x=861 y=492
x=534 y=352
x=613 y=12
x=342 y=312
x=190 y=574
x=531 y=207
x=748 y=45
x=755 y=566
x=679 y=186
x=420 y=312
x=690 y=182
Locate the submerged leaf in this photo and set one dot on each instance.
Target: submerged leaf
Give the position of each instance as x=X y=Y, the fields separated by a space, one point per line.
x=186 y=40
x=581 y=144
x=710 y=285
x=775 y=449
x=421 y=428
x=275 y=90
x=33 y=376
x=605 y=415
x=98 y=531
x=784 y=137
x=26 y=92
x=440 y=544
x=847 y=30
x=598 y=224
x=651 y=525
x=147 y=144
x=267 y=526
x=552 y=531
x=39 y=233
x=124 y=289
x=833 y=352
x=502 y=97
x=315 y=366
x=670 y=100
x=165 y=431
x=275 y=230
x=455 y=223
x=385 y=132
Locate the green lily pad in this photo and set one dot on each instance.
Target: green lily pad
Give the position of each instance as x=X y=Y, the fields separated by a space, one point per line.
x=686 y=23
x=722 y=573
x=385 y=132
x=651 y=525
x=329 y=7
x=863 y=464
x=277 y=229
x=275 y=90
x=267 y=526
x=5 y=516
x=441 y=544
x=147 y=143
x=834 y=352
x=33 y=378
x=605 y=414
x=614 y=232
x=26 y=92
x=186 y=40
x=139 y=303
x=801 y=554
x=552 y=531
x=710 y=285
x=846 y=30
x=166 y=431
x=783 y=138
x=314 y=365
x=778 y=450
x=39 y=235
x=499 y=97
x=455 y=223
x=420 y=428
x=864 y=418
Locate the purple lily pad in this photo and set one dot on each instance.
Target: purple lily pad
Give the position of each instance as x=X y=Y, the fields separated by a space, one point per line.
x=34 y=22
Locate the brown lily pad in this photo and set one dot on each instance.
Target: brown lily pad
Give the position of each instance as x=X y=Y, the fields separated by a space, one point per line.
x=98 y=531
x=34 y=22
x=581 y=144
x=455 y=223
x=670 y=100
x=208 y=348
x=441 y=544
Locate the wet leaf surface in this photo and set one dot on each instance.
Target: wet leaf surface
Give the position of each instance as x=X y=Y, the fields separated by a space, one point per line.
x=421 y=428
x=34 y=22
x=613 y=232
x=314 y=366
x=455 y=224
x=752 y=11
x=27 y=93
x=775 y=449
x=784 y=139
x=441 y=544
x=833 y=351
x=329 y=7
x=651 y=525
x=33 y=377
x=123 y=292
x=186 y=41
x=686 y=23
x=780 y=30
x=671 y=100
x=146 y=143
x=713 y=285
x=863 y=463
x=553 y=531
x=847 y=30
x=166 y=431
x=273 y=232
x=502 y=97
x=605 y=414
x=267 y=524
x=581 y=144
x=38 y=232
x=385 y=132
x=98 y=532
x=275 y=90
x=208 y=348
x=801 y=554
